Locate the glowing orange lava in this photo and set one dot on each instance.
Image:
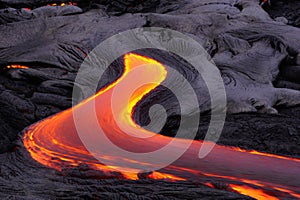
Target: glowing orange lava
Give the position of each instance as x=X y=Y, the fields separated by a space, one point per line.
x=255 y=193
x=54 y=142
x=55 y=4
x=16 y=67
x=63 y=4
x=265 y=154
x=164 y=176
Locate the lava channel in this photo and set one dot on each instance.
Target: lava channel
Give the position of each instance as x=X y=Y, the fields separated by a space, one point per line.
x=55 y=143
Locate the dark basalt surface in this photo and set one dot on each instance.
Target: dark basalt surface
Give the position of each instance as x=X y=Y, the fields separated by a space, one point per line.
x=288 y=9
x=256 y=50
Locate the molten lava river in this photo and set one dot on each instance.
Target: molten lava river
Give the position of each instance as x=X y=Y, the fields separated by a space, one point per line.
x=55 y=143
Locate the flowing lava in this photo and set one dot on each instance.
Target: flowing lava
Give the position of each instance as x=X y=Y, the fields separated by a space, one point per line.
x=54 y=142
x=16 y=67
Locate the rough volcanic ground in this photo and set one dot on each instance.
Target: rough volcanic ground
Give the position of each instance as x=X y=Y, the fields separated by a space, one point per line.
x=256 y=51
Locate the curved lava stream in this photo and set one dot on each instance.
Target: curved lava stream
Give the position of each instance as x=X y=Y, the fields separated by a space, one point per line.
x=54 y=142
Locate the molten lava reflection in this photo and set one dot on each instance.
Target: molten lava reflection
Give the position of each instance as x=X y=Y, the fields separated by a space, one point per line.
x=54 y=142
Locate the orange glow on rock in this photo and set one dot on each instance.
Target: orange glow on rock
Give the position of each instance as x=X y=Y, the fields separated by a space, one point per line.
x=55 y=143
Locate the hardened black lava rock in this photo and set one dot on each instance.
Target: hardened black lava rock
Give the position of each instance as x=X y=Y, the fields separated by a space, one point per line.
x=285 y=10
